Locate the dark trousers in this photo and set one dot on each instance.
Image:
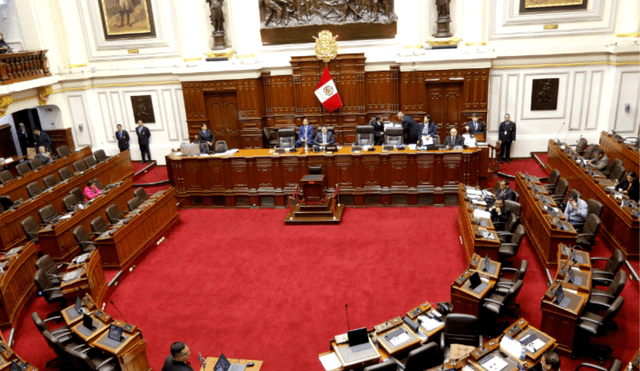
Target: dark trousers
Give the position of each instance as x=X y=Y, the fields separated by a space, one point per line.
x=122 y=149
x=145 y=149
x=505 y=151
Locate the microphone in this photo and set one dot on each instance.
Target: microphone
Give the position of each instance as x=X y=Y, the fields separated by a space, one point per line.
x=347 y=310
x=569 y=132
x=119 y=311
x=558 y=133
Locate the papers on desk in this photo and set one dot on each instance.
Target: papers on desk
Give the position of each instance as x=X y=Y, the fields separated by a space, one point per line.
x=514 y=347
x=534 y=346
x=330 y=362
x=474 y=192
x=495 y=364
x=411 y=147
x=427 y=142
x=478 y=201
x=470 y=142
x=427 y=323
x=400 y=339
x=481 y=214
x=65 y=217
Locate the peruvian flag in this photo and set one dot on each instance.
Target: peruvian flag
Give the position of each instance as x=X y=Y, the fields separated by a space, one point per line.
x=327 y=92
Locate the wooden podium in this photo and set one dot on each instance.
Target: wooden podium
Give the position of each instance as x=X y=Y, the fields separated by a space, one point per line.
x=313 y=207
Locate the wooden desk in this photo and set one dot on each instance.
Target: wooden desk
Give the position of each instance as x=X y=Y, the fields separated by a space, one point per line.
x=620 y=229
x=91 y=281
x=57 y=240
x=17 y=188
x=402 y=348
x=16 y=284
x=211 y=361
x=543 y=234
x=615 y=148
x=478 y=264
x=11 y=165
x=561 y=322
x=124 y=242
x=313 y=187
x=521 y=329
x=7 y=356
x=471 y=238
x=113 y=170
x=464 y=299
x=583 y=258
x=258 y=177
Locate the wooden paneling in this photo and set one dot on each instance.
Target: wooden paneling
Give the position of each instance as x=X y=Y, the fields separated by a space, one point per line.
x=62 y=137
x=614 y=148
x=17 y=284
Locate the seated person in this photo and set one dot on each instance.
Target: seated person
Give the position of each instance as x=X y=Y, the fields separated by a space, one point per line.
x=324 y=137
x=550 y=361
x=203 y=146
x=467 y=132
x=453 y=140
x=305 y=134
x=4 y=47
x=205 y=136
x=427 y=131
x=630 y=186
x=179 y=358
x=499 y=214
x=577 y=210
x=505 y=192
x=44 y=156
x=378 y=130
x=600 y=161
x=91 y=191
x=475 y=126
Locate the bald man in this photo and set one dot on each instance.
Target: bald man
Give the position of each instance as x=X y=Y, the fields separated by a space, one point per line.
x=454 y=140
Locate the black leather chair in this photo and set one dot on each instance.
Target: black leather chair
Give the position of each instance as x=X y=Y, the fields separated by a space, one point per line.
x=616 y=365
x=436 y=140
x=422 y=358
x=591 y=324
x=65 y=173
x=63 y=334
x=113 y=214
x=90 y=161
x=83 y=239
x=509 y=228
x=364 y=135
x=394 y=137
x=134 y=203
x=30 y=227
x=81 y=361
x=388 y=365
x=587 y=237
x=34 y=189
x=315 y=170
x=98 y=184
x=100 y=155
x=581 y=146
x=35 y=163
x=63 y=151
x=589 y=153
x=496 y=188
x=561 y=190
x=286 y=138
x=604 y=277
x=48 y=214
x=552 y=181
x=617 y=173
x=221 y=146
x=5 y=176
x=515 y=207
x=51 y=181
x=600 y=299
x=50 y=291
x=70 y=202
x=50 y=268
x=78 y=193
x=58 y=349
x=503 y=284
x=510 y=249
x=79 y=166
x=6 y=202
x=141 y=194
x=463 y=329
x=268 y=138
x=497 y=305
x=23 y=168
x=98 y=225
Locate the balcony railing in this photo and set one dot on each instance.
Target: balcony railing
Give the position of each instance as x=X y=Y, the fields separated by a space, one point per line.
x=23 y=66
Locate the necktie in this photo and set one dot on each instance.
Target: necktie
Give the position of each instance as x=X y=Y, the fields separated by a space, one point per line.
x=476 y=125
x=324 y=138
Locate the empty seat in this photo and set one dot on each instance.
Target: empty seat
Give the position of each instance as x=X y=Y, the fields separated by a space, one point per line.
x=47 y=214
x=141 y=194
x=65 y=173
x=30 y=227
x=90 y=161
x=561 y=190
x=78 y=193
x=364 y=135
x=6 y=202
x=83 y=239
x=89 y=361
x=221 y=146
x=51 y=181
x=554 y=177
x=604 y=277
x=63 y=151
x=49 y=290
x=510 y=249
x=617 y=173
x=79 y=166
x=134 y=203
x=70 y=202
x=587 y=237
x=268 y=138
x=98 y=184
x=113 y=214
x=5 y=176
x=34 y=189
x=503 y=284
x=100 y=155
x=462 y=332
x=98 y=225
x=394 y=136
x=35 y=164
x=23 y=168
x=315 y=170
x=63 y=334
x=49 y=266
x=286 y=138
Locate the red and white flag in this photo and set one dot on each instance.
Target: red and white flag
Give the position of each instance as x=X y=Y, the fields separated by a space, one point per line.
x=327 y=92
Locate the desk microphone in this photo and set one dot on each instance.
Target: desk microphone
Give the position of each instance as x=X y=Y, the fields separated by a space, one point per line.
x=119 y=311
x=347 y=310
x=565 y=138
x=558 y=133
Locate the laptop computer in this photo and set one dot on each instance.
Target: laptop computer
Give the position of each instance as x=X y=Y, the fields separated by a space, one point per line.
x=359 y=348
x=87 y=322
x=16 y=367
x=561 y=300
x=487 y=265
x=190 y=149
x=476 y=283
x=573 y=279
x=223 y=364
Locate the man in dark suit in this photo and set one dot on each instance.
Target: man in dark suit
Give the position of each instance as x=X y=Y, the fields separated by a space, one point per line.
x=378 y=130
x=454 y=140
x=476 y=126
x=44 y=156
x=427 y=130
x=410 y=127
x=305 y=134
x=499 y=213
x=42 y=139
x=506 y=136
x=324 y=137
x=506 y=193
x=24 y=138
x=179 y=358
x=143 y=140
x=205 y=136
x=122 y=136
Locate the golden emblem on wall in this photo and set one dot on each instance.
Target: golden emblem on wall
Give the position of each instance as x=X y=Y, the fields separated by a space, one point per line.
x=43 y=94
x=551 y=3
x=5 y=101
x=326 y=46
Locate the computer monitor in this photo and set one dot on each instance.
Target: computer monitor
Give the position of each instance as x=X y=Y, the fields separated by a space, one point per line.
x=572 y=275
x=78 y=305
x=190 y=149
x=15 y=366
x=358 y=336
x=475 y=280
x=115 y=333
x=87 y=321
x=559 y=294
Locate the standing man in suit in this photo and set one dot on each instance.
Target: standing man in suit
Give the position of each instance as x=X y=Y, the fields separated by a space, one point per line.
x=324 y=137
x=305 y=134
x=378 y=130
x=122 y=136
x=143 y=140
x=42 y=139
x=410 y=127
x=506 y=136
x=476 y=126
x=205 y=136
x=427 y=130
x=454 y=140
x=24 y=139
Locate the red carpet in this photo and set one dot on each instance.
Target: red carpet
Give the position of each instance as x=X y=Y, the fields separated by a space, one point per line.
x=153 y=175
x=242 y=283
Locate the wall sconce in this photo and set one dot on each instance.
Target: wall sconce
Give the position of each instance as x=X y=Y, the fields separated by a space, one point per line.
x=627 y=107
x=80 y=127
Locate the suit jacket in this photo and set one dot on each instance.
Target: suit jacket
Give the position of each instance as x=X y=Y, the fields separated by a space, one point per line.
x=378 y=127
x=502 y=217
x=143 y=135
x=44 y=159
x=205 y=136
x=507 y=133
x=305 y=133
x=43 y=140
x=472 y=127
x=452 y=142
x=123 y=139
x=330 y=139
x=411 y=129
x=431 y=129
x=600 y=164
x=24 y=139
x=171 y=365
x=507 y=194
x=633 y=192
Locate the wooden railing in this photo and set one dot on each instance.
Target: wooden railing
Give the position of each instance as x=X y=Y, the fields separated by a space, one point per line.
x=23 y=66
x=494 y=153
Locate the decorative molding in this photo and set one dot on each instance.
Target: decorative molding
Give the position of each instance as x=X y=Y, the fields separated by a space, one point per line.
x=419 y=46
x=77 y=65
x=451 y=41
x=567 y=65
x=43 y=94
x=633 y=34
x=595 y=99
x=192 y=59
x=481 y=43
x=5 y=101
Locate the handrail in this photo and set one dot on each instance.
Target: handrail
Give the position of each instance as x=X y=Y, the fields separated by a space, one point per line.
x=23 y=66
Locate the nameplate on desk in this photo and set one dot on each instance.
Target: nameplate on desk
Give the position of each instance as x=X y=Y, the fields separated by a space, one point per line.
x=485 y=349
x=415 y=312
x=515 y=328
x=388 y=325
x=551 y=292
x=463 y=277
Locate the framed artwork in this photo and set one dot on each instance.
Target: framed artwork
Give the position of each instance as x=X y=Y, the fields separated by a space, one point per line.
x=143 y=109
x=126 y=19
x=539 y=6
x=544 y=94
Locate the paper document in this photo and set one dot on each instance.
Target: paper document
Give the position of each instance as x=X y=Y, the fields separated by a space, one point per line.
x=472 y=191
x=397 y=340
x=513 y=347
x=495 y=364
x=65 y=217
x=534 y=346
x=422 y=335
x=470 y=142
x=330 y=362
x=428 y=323
x=481 y=214
x=427 y=142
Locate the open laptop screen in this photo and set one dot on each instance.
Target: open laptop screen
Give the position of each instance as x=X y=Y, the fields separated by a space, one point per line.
x=115 y=333
x=559 y=294
x=223 y=364
x=358 y=336
x=475 y=280
x=87 y=321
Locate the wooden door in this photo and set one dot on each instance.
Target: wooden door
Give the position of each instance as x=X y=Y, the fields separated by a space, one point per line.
x=222 y=112
x=7 y=146
x=444 y=103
